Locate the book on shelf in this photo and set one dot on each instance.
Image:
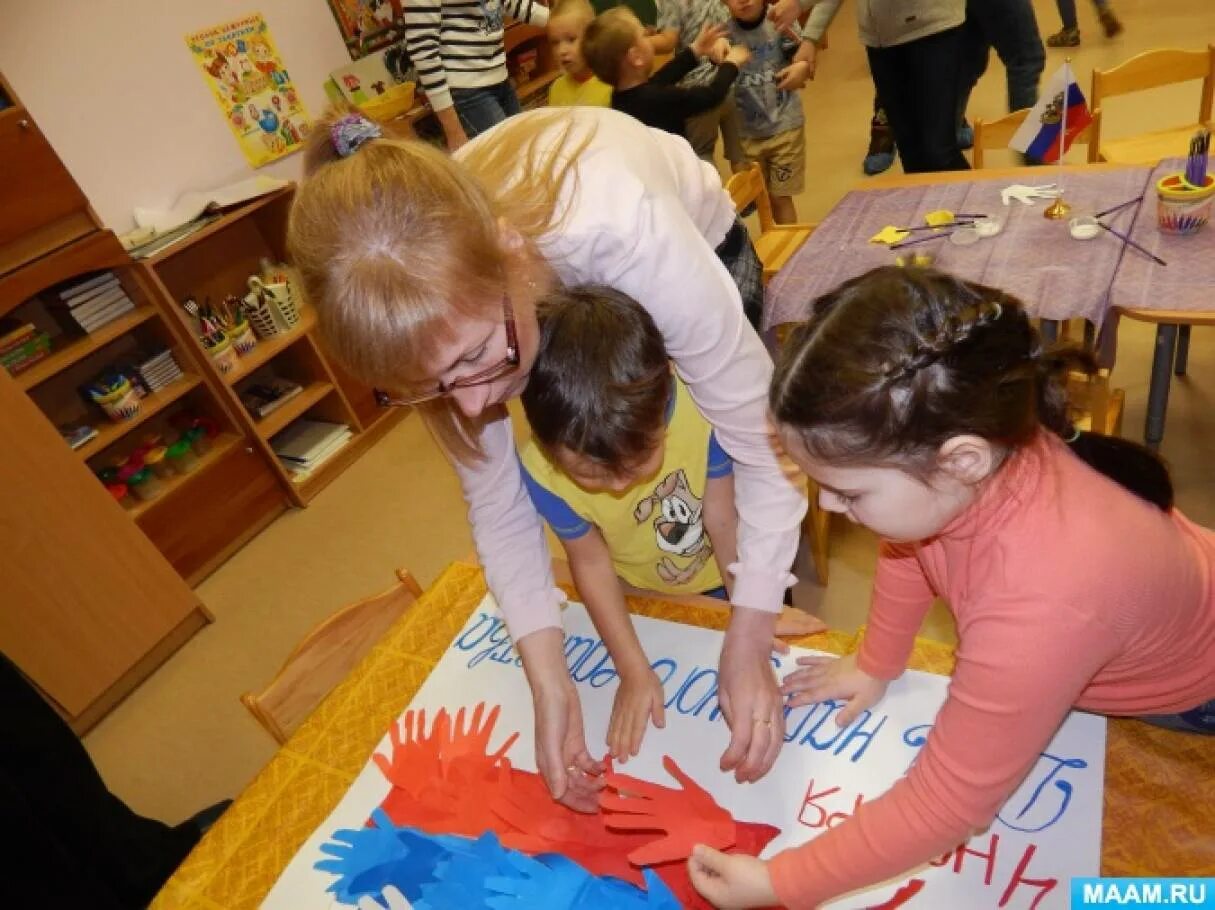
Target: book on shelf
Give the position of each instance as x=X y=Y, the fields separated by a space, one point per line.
x=76 y=290
x=76 y=436
x=105 y=316
x=95 y=303
x=262 y=399
x=14 y=334
x=302 y=470
x=19 y=359
x=305 y=440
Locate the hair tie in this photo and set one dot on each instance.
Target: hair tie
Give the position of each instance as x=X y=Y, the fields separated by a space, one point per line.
x=349 y=133
x=1073 y=436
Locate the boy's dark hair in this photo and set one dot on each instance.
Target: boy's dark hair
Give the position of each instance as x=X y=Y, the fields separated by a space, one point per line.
x=607 y=40
x=897 y=361
x=601 y=381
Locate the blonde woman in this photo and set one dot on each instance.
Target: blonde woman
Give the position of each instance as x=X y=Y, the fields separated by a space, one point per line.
x=425 y=272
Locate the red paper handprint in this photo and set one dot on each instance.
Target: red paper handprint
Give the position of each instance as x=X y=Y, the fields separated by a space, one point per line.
x=686 y=817
x=416 y=757
x=472 y=744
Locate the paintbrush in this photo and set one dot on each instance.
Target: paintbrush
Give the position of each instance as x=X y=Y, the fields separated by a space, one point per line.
x=1119 y=207
x=935 y=227
x=903 y=243
x=1196 y=163
x=1129 y=242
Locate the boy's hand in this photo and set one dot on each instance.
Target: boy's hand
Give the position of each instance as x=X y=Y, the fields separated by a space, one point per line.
x=822 y=678
x=730 y=880
x=796 y=74
x=708 y=37
x=639 y=698
x=739 y=54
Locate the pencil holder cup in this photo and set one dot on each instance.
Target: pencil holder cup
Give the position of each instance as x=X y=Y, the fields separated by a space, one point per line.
x=1181 y=208
x=271 y=307
x=224 y=356
x=120 y=404
x=243 y=338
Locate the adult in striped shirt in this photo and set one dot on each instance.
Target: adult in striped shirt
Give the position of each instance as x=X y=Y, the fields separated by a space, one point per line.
x=457 y=47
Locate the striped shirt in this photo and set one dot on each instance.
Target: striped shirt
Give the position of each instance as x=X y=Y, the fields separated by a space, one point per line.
x=458 y=43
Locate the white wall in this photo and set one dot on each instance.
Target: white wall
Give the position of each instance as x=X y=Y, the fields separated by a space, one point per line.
x=114 y=88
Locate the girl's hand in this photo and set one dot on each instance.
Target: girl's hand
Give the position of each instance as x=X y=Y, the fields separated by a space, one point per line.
x=784 y=13
x=639 y=699
x=822 y=678
x=719 y=51
x=730 y=880
x=738 y=54
x=707 y=39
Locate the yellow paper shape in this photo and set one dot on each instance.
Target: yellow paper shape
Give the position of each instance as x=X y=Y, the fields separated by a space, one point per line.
x=888 y=234
x=939 y=217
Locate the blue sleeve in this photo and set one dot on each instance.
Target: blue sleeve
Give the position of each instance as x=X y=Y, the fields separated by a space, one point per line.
x=720 y=464
x=565 y=522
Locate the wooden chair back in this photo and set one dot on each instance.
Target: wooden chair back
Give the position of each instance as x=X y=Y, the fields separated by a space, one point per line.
x=1154 y=69
x=748 y=186
x=994 y=135
x=325 y=657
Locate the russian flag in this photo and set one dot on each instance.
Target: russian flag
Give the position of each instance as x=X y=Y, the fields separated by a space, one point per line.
x=1052 y=124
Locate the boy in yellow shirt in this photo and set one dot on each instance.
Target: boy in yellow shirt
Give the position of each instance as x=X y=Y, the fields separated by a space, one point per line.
x=628 y=474
x=577 y=84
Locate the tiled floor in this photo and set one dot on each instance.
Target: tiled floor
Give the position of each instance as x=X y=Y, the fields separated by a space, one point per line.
x=183 y=740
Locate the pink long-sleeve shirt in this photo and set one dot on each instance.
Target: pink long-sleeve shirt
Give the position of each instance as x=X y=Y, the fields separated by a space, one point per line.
x=642 y=214
x=1068 y=591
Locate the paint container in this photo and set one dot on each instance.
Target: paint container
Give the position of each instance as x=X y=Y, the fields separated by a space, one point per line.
x=1083 y=227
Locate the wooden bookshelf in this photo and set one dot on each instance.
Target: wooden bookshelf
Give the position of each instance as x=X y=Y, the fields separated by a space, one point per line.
x=149 y=407
x=277 y=421
x=221 y=445
x=76 y=349
x=268 y=348
x=229 y=218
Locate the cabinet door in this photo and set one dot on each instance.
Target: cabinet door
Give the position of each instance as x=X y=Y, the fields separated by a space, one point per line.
x=83 y=594
x=36 y=189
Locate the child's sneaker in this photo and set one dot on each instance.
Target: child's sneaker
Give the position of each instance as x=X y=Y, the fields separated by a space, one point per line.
x=1065 y=37
x=1109 y=22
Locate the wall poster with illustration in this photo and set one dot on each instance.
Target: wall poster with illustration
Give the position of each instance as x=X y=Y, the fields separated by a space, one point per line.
x=451 y=812
x=245 y=73
x=368 y=25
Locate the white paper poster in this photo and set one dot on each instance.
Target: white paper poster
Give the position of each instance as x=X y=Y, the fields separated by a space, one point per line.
x=1048 y=832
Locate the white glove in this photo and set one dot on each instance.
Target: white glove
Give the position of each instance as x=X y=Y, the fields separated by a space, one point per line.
x=393 y=898
x=1027 y=194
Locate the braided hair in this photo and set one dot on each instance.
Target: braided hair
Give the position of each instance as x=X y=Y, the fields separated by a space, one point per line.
x=894 y=363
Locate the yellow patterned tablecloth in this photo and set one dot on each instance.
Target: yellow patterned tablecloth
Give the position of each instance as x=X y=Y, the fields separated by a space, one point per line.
x=1159 y=791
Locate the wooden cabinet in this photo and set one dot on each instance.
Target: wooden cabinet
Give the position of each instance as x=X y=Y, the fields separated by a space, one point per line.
x=41 y=206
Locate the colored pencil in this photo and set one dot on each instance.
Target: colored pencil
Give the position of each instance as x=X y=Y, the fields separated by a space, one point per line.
x=1119 y=207
x=1129 y=242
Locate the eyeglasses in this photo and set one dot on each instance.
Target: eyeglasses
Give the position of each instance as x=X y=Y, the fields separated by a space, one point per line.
x=482 y=377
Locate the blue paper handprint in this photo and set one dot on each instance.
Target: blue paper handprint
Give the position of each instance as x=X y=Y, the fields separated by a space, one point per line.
x=547 y=882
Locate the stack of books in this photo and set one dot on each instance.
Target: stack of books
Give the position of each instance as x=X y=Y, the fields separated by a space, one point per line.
x=307 y=444
x=264 y=398
x=21 y=345
x=157 y=370
x=90 y=304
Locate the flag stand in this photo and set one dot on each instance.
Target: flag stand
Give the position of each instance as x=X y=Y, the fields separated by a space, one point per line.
x=1059 y=208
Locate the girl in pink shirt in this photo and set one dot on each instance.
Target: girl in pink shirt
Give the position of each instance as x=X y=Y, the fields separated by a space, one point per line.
x=926 y=409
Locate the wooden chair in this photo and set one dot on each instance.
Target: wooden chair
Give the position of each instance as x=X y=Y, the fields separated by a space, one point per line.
x=326 y=656
x=1147 y=71
x=1095 y=406
x=994 y=135
x=776 y=243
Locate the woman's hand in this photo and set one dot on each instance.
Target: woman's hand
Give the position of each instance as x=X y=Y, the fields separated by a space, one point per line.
x=784 y=13
x=730 y=880
x=639 y=699
x=749 y=697
x=572 y=776
x=838 y=678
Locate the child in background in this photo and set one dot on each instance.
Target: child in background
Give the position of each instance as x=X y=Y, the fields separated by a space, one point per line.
x=772 y=124
x=629 y=476
x=576 y=84
x=619 y=52
x=679 y=23
x=926 y=409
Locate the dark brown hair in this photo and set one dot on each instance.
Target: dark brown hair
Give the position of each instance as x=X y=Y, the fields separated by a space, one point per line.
x=899 y=360
x=601 y=381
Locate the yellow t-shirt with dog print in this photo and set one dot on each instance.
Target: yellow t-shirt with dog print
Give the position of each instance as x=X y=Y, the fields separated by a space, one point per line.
x=655 y=533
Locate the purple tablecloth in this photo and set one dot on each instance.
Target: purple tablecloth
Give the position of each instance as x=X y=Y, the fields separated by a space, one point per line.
x=1187 y=283
x=1033 y=258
